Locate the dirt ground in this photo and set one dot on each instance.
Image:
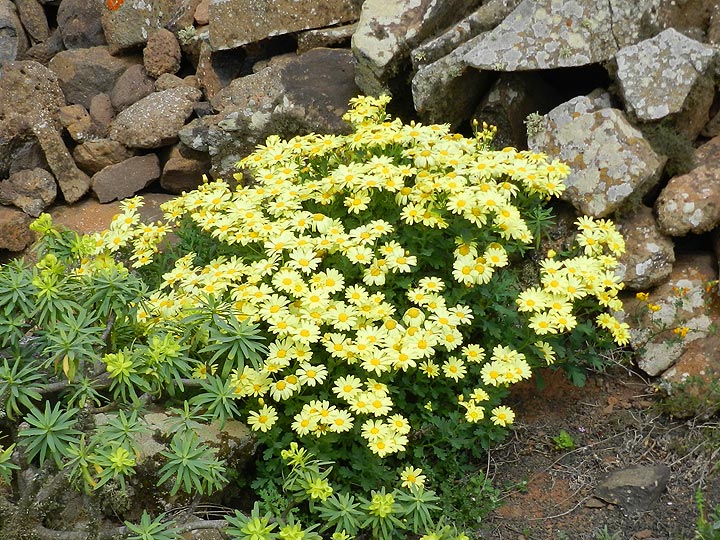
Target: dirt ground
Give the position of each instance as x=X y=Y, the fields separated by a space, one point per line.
x=549 y=493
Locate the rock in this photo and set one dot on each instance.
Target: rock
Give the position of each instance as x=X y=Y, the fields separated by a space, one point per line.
x=184 y=169
x=129 y=26
x=681 y=301
x=303 y=94
x=634 y=488
x=32 y=16
x=133 y=85
x=712 y=128
x=93 y=156
x=44 y=51
x=508 y=103
x=690 y=203
x=72 y=181
x=657 y=74
x=166 y=81
x=26 y=154
x=79 y=23
x=102 y=112
x=230 y=25
x=13 y=41
x=546 y=34
x=126 y=178
x=202 y=12
x=15 y=234
x=337 y=36
x=388 y=31
x=690 y=17
x=155 y=120
x=483 y=19
x=215 y=70
x=31 y=190
x=447 y=90
x=692 y=381
x=76 y=120
x=713 y=32
x=162 y=53
x=30 y=93
x=610 y=160
x=649 y=254
x=83 y=73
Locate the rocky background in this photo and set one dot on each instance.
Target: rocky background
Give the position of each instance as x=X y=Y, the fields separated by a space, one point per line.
x=102 y=99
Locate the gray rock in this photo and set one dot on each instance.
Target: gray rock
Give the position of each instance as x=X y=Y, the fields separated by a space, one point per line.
x=162 y=53
x=634 y=488
x=546 y=34
x=609 y=159
x=649 y=254
x=133 y=85
x=682 y=303
x=31 y=190
x=44 y=51
x=155 y=120
x=83 y=73
x=657 y=74
x=32 y=16
x=26 y=154
x=130 y=26
x=691 y=202
x=13 y=41
x=230 y=25
x=325 y=37
x=388 y=31
x=79 y=23
x=72 y=181
x=15 y=234
x=93 y=156
x=184 y=169
x=125 y=178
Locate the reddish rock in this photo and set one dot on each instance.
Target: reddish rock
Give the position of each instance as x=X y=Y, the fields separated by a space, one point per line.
x=216 y=70
x=79 y=23
x=76 y=120
x=184 y=169
x=93 y=156
x=133 y=85
x=14 y=232
x=31 y=190
x=102 y=112
x=162 y=53
x=202 y=15
x=166 y=81
x=33 y=19
x=126 y=178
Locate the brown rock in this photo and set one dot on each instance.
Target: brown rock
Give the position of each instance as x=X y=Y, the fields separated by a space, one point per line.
x=184 y=169
x=162 y=53
x=216 y=70
x=72 y=181
x=79 y=23
x=44 y=51
x=166 y=81
x=31 y=190
x=325 y=37
x=126 y=178
x=30 y=92
x=15 y=234
x=83 y=73
x=93 y=156
x=76 y=120
x=154 y=121
x=33 y=19
x=129 y=26
x=13 y=41
x=102 y=112
x=133 y=85
x=202 y=15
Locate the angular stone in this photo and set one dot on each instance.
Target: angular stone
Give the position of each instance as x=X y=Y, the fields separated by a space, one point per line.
x=79 y=23
x=31 y=93
x=609 y=159
x=83 y=73
x=72 y=181
x=162 y=53
x=13 y=41
x=184 y=169
x=388 y=31
x=44 y=51
x=33 y=19
x=155 y=120
x=15 y=234
x=130 y=25
x=126 y=178
x=336 y=36
x=546 y=34
x=649 y=254
x=230 y=25
x=31 y=190
x=133 y=85
x=690 y=203
x=102 y=112
x=634 y=488
x=166 y=81
x=657 y=74
x=93 y=156
x=682 y=302
x=76 y=120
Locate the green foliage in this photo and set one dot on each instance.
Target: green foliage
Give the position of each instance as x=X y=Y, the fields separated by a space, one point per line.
x=564 y=441
x=7 y=466
x=19 y=386
x=50 y=433
x=159 y=528
x=193 y=464
x=707 y=525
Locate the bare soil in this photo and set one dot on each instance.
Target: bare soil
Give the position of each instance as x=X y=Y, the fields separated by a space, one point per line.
x=615 y=422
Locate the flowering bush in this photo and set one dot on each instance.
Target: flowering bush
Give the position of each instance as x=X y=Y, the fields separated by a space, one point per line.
x=357 y=294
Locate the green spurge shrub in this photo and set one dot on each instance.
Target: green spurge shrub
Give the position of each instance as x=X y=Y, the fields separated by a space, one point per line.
x=355 y=301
